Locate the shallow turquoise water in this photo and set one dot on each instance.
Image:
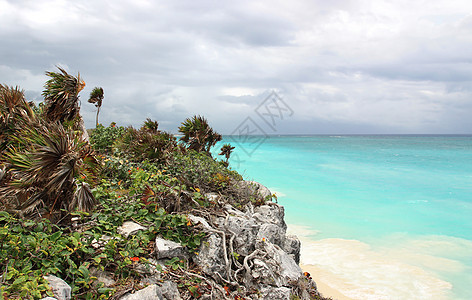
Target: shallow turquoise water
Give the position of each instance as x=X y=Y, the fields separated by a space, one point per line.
x=379 y=190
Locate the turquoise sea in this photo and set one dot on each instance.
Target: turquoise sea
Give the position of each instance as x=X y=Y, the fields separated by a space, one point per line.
x=380 y=217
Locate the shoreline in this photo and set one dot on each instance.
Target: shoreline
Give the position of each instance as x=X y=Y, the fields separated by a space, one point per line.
x=351 y=269
x=322 y=284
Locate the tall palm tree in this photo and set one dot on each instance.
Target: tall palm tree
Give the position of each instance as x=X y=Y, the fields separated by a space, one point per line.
x=96 y=97
x=198 y=135
x=226 y=150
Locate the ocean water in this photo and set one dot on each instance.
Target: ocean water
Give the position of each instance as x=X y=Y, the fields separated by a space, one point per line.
x=380 y=217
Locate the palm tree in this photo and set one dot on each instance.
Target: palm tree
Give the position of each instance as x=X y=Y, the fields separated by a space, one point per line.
x=15 y=113
x=96 y=97
x=226 y=150
x=48 y=176
x=47 y=159
x=61 y=96
x=198 y=135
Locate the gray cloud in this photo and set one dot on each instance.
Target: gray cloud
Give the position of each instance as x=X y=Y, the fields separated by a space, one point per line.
x=342 y=66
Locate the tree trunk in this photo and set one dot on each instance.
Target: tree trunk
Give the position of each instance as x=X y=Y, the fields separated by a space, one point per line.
x=98 y=111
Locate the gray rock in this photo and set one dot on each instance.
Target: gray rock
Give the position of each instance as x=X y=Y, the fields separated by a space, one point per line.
x=257 y=188
x=210 y=256
x=280 y=293
x=169 y=249
x=292 y=247
x=60 y=289
x=286 y=270
x=169 y=291
x=272 y=213
x=272 y=233
x=48 y=298
x=212 y=196
x=196 y=220
x=233 y=211
x=129 y=228
x=152 y=292
x=263 y=273
x=245 y=230
x=101 y=242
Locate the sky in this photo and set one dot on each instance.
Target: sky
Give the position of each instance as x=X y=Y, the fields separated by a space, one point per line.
x=338 y=66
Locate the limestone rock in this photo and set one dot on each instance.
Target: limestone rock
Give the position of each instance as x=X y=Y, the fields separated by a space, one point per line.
x=129 y=228
x=262 y=272
x=213 y=197
x=196 y=220
x=60 y=289
x=292 y=247
x=210 y=256
x=280 y=293
x=101 y=242
x=245 y=230
x=272 y=213
x=169 y=249
x=272 y=233
x=152 y=292
x=257 y=188
x=169 y=291
x=286 y=270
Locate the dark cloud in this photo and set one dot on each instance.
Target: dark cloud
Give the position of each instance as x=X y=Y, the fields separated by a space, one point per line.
x=342 y=66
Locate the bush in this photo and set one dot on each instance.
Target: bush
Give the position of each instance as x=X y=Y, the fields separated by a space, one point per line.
x=199 y=170
x=103 y=138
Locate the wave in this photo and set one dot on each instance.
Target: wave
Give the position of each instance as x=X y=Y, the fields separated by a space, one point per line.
x=399 y=267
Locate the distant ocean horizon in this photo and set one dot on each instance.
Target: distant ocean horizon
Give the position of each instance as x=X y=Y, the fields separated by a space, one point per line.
x=382 y=216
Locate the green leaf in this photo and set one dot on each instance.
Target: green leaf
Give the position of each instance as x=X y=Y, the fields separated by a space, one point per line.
x=74 y=241
x=104 y=290
x=84 y=271
x=55 y=236
x=20 y=280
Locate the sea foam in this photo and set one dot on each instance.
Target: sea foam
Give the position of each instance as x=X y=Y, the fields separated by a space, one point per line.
x=356 y=270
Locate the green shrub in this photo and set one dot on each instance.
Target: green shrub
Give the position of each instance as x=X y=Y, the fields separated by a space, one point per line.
x=103 y=138
x=199 y=170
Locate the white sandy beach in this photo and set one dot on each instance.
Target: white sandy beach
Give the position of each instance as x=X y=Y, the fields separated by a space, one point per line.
x=323 y=283
x=350 y=269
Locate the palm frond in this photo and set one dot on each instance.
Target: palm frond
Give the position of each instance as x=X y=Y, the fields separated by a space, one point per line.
x=61 y=95
x=83 y=198
x=198 y=135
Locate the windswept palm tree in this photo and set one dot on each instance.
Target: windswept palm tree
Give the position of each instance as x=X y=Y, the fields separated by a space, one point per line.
x=226 y=150
x=15 y=113
x=49 y=176
x=96 y=97
x=48 y=161
x=150 y=126
x=198 y=135
x=61 y=96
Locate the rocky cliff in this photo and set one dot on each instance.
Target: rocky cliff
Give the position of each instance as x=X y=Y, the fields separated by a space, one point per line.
x=245 y=255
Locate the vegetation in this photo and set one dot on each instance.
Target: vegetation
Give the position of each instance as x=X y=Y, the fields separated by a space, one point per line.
x=48 y=166
x=96 y=97
x=61 y=96
x=60 y=195
x=226 y=150
x=198 y=135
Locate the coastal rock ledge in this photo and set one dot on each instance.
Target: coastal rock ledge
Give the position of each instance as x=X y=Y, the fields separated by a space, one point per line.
x=246 y=251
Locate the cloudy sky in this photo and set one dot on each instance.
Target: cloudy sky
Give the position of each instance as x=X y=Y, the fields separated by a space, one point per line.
x=341 y=66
